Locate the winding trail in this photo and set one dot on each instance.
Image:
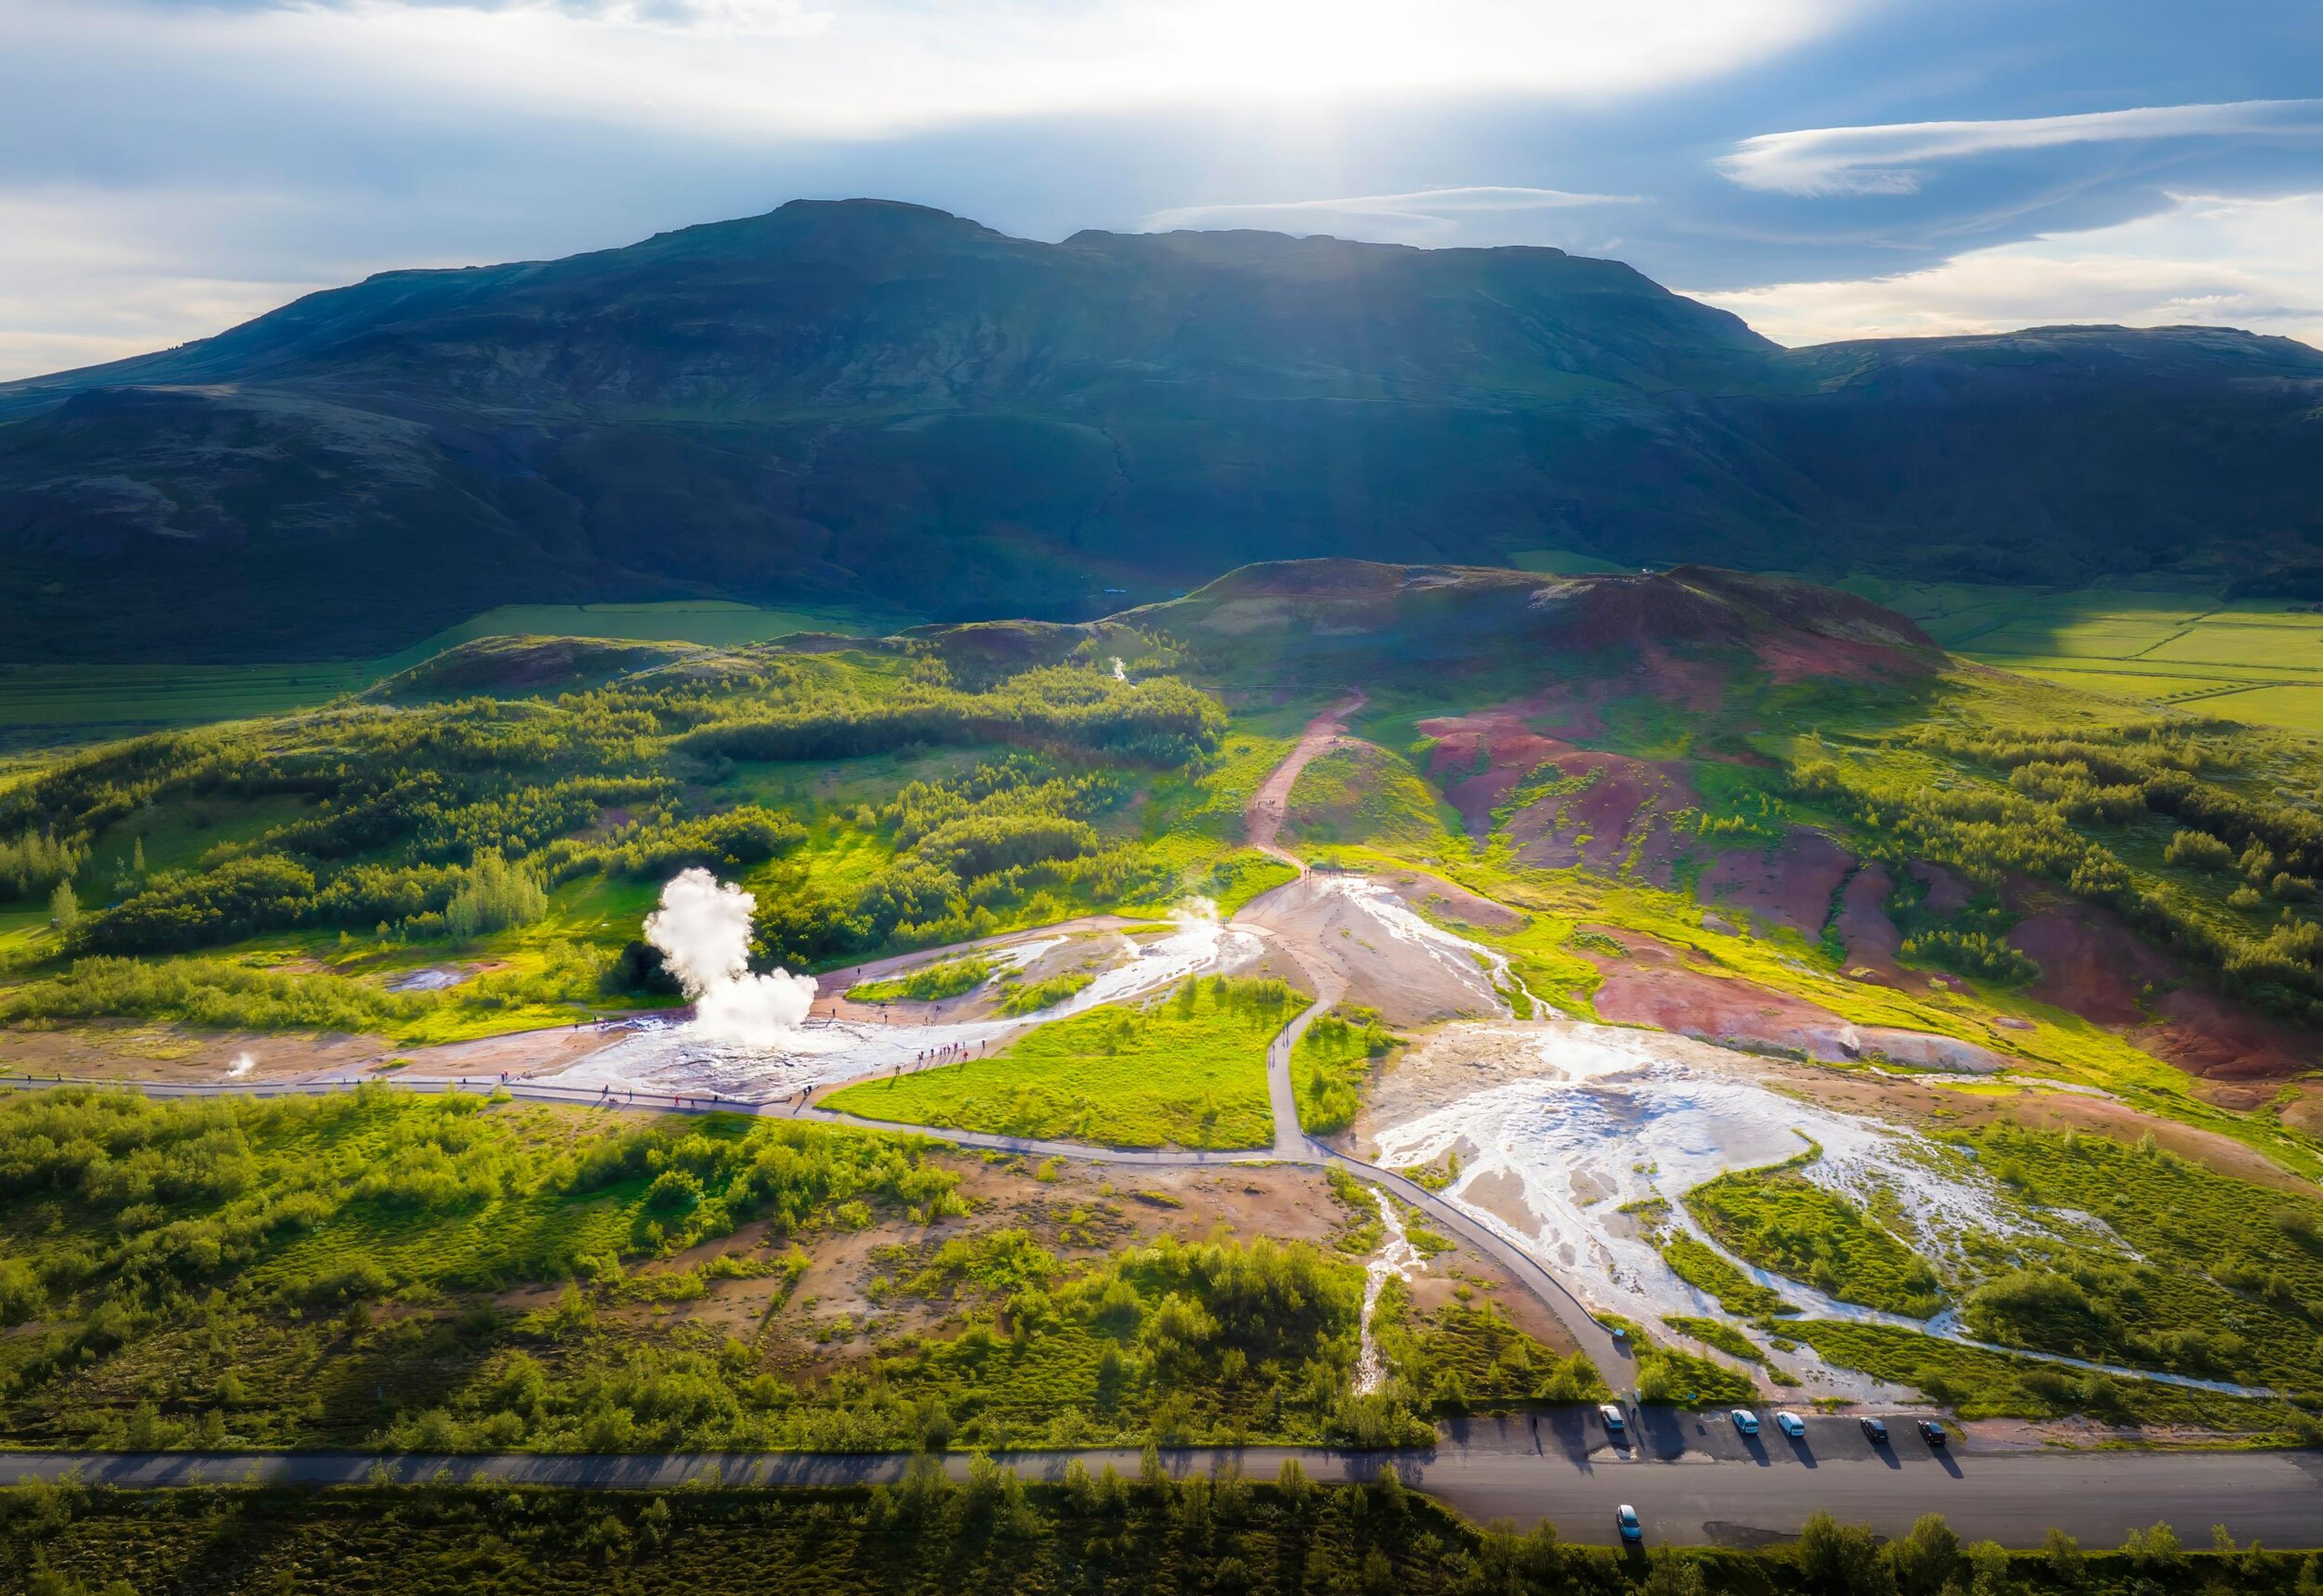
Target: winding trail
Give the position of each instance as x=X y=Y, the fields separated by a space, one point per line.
x=1262 y=817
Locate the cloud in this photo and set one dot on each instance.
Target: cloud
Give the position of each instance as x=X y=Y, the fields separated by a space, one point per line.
x=83 y=281
x=2249 y=264
x=871 y=68
x=1426 y=217
x=1892 y=158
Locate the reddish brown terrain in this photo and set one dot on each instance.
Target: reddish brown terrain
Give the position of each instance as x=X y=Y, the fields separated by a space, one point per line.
x=1791 y=884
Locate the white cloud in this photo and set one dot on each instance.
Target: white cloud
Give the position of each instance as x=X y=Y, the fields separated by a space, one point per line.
x=1891 y=159
x=875 y=66
x=1482 y=214
x=2249 y=264
x=86 y=278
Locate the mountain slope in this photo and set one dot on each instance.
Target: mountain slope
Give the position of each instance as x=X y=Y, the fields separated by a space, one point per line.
x=877 y=404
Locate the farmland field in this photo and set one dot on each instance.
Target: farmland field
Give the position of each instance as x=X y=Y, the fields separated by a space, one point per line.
x=2255 y=660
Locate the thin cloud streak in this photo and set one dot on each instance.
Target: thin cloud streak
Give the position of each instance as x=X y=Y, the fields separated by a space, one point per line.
x=2212 y=260
x=1425 y=216
x=1891 y=159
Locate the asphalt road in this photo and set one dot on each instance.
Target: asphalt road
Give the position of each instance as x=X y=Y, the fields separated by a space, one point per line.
x=1693 y=1480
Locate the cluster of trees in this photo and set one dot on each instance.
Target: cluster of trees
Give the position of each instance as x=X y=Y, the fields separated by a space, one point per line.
x=210 y=994
x=212 y=1218
x=2033 y=823
x=661 y=844
x=1977 y=953
x=33 y=864
x=1160 y=721
x=415 y=816
x=993 y=838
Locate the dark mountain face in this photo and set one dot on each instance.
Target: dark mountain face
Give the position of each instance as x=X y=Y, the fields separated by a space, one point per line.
x=877 y=404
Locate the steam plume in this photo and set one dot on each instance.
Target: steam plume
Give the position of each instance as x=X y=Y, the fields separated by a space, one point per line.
x=702 y=929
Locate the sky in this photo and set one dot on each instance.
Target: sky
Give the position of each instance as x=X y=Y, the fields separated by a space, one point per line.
x=1825 y=169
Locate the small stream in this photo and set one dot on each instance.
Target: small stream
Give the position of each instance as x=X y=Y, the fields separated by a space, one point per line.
x=1396 y=1258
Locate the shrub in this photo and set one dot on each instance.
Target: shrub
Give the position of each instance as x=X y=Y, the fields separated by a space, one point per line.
x=2197 y=850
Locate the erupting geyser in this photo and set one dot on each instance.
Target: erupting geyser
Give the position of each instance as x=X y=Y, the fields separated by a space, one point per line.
x=702 y=929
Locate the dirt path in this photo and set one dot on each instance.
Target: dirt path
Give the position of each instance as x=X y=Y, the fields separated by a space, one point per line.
x=1261 y=819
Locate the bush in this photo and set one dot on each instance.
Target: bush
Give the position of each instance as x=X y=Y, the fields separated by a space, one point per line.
x=2197 y=850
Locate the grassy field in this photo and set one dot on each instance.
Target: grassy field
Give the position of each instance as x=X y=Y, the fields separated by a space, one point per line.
x=1561 y=562
x=1781 y=1221
x=1980 y=1384
x=1187 y=1070
x=1365 y=794
x=1332 y=1062
x=381 y=1270
x=928 y=983
x=2221 y=1278
x=48 y=705
x=2255 y=660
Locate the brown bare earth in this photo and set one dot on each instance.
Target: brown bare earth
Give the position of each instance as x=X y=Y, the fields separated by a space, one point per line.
x=132 y=1049
x=2090 y=963
x=1482 y=757
x=1657 y=986
x=1865 y=931
x=1442 y=900
x=1346 y=951
x=1792 y=883
x=1947 y=894
x=2305 y=1111
x=2204 y=1035
x=835 y=1314
x=2094 y=966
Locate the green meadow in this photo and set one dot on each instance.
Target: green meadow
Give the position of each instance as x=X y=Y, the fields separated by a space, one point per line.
x=45 y=705
x=1186 y=1070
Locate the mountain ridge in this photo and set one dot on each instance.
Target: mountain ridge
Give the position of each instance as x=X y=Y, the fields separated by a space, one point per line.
x=876 y=404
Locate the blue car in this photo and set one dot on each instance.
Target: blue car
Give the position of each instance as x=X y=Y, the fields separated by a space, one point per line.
x=1614 y=1422
x=1632 y=1532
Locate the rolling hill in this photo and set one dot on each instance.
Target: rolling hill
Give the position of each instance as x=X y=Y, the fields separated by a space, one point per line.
x=879 y=405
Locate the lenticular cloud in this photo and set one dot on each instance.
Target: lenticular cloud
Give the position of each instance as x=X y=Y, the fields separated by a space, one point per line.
x=702 y=929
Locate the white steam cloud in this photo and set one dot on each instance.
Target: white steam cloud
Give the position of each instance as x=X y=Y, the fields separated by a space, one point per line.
x=702 y=929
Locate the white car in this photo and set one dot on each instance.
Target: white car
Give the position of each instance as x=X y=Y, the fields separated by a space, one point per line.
x=1745 y=1421
x=1791 y=1424
x=1614 y=1422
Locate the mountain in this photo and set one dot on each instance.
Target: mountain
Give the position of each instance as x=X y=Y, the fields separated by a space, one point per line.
x=879 y=405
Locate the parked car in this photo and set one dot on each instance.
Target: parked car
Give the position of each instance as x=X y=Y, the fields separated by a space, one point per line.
x=1873 y=1429
x=1746 y=1423
x=1626 y=1516
x=1932 y=1432
x=1791 y=1424
x=1614 y=1422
